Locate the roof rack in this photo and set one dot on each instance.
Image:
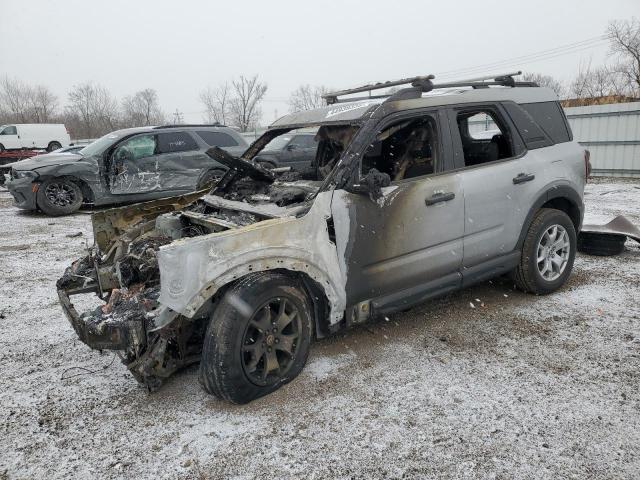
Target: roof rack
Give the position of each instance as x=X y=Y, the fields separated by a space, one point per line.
x=216 y=124
x=425 y=84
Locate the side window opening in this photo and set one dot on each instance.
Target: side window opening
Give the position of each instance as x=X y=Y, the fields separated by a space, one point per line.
x=405 y=149
x=484 y=137
x=136 y=148
x=172 y=142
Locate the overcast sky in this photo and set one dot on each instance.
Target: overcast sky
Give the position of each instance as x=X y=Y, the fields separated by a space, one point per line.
x=180 y=47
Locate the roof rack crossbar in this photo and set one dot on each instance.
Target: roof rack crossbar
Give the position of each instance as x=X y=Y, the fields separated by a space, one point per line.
x=425 y=84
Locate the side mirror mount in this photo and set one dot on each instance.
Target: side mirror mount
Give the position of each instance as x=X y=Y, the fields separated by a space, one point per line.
x=371 y=184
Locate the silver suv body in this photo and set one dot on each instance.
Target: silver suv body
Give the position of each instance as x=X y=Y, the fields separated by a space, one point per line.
x=416 y=195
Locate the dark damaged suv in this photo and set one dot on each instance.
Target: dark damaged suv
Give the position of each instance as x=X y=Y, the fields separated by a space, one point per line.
x=125 y=166
x=425 y=191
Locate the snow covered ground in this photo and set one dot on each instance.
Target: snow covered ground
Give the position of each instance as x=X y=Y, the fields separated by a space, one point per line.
x=485 y=383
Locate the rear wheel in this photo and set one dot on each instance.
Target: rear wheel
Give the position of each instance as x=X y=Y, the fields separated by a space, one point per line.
x=53 y=146
x=548 y=252
x=258 y=338
x=59 y=196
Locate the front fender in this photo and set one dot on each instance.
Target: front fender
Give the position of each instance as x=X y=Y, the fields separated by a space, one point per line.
x=193 y=270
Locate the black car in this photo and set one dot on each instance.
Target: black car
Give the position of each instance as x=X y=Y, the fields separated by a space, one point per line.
x=125 y=166
x=296 y=150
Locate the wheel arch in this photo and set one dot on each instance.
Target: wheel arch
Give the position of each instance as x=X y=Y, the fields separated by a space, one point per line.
x=325 y=292
x=559 y=197
x=88 y=195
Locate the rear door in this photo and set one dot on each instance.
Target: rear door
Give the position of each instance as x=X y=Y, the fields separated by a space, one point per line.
x=407 y=244
x=498 y=178
x=180 y=161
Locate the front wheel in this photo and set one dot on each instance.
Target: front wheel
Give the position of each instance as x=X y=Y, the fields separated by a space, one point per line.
x=59 y=196
x=258 y=338
x=548 y=252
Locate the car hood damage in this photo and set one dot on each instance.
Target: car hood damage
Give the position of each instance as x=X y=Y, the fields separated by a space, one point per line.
x=122 y=267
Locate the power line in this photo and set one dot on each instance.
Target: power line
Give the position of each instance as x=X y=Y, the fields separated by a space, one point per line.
x=529 y=58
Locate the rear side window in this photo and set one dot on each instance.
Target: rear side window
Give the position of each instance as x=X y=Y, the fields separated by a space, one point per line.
x=172 y=142
x=550 y=118
x=217 y=139
x=531 y=133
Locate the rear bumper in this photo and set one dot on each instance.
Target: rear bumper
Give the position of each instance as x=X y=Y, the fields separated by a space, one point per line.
x=23 y=191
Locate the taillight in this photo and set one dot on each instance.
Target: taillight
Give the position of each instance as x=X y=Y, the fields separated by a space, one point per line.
x=587 y=165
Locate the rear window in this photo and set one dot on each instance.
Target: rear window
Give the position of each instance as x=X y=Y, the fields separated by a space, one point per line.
x=217 y=139
x=531 y=133
x=549 y=116
x=171 y=142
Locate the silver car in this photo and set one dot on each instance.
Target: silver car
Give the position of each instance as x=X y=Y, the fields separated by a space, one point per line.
x=416 y=194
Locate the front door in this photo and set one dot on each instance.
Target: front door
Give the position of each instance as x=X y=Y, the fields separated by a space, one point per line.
x=134 y=166
x=407 y=244
x=9 y=137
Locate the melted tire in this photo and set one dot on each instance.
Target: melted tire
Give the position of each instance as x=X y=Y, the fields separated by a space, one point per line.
x=52 y=209
x=526 y=275
x=222 y=371
x=601 y=244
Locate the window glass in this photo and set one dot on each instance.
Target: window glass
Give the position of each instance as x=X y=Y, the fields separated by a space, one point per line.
x=549 y=116
x=304 y=141
x=217 y=139
x=278 y=143
x=11 y=130
x=171 y=142
x=484 y=137
x=532 y=134
x=406 y=149
x=135 y=148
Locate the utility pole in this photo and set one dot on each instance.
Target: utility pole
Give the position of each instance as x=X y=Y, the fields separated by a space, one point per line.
x=177 y=117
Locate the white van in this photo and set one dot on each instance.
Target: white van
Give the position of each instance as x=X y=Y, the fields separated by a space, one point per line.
x=34 y=135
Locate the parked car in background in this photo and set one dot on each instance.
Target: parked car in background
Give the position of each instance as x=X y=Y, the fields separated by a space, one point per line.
x=297 y=151
x=49 y=136
x=125 y=166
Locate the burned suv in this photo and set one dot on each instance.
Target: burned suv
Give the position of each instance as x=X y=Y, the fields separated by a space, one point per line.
x=419 y=193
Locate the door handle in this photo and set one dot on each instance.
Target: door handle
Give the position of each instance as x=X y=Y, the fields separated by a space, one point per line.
x=523 y=177
x=439 y=198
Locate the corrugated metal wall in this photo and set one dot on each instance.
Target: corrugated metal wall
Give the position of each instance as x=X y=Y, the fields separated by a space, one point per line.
x=612 y=135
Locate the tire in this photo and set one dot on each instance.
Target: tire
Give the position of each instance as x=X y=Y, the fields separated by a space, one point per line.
x=59 y=196
x=546 y=276
x=53 y=146
x=601 y=244
x=210 y=177
x=238 y=345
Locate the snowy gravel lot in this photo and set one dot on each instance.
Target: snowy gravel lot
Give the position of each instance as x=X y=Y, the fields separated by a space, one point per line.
x=485 y=383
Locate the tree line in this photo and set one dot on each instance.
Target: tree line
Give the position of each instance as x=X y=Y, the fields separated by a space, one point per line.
x=91 y=110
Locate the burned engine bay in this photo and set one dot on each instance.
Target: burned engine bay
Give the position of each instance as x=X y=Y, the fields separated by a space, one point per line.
x=122 y=267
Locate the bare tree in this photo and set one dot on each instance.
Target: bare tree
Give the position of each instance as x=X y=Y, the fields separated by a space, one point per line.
x=43 y=104
x=244 y=106
x=142 y=109
x=624 y=36
x=216 y=101
x=306 y=97
x=14 y=97
x=597 y=82
x=546 y=81
x=95 y=109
